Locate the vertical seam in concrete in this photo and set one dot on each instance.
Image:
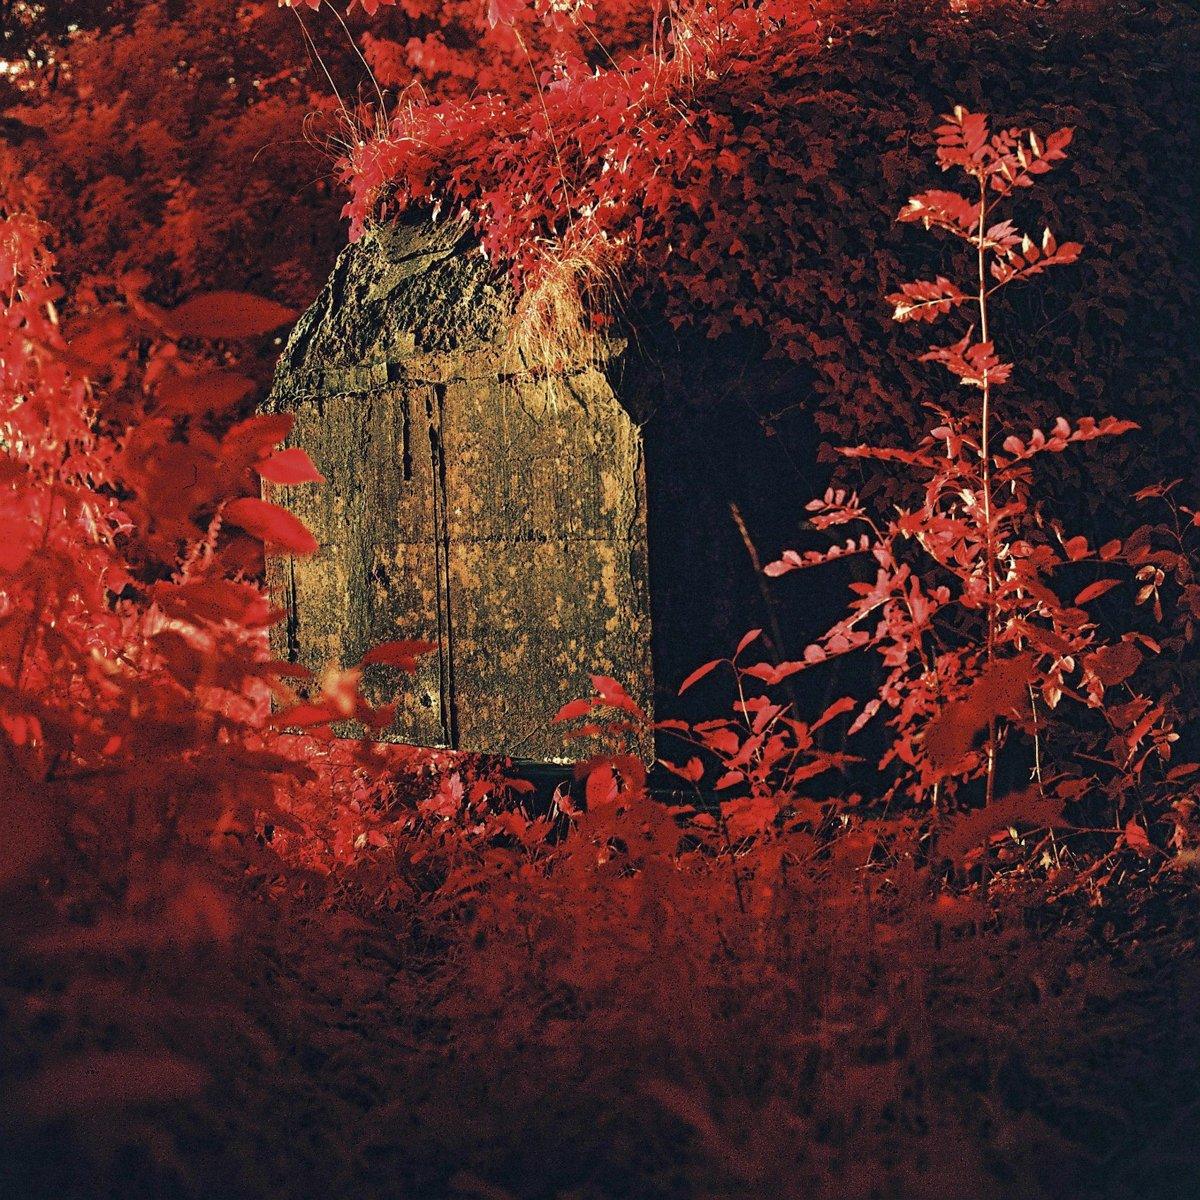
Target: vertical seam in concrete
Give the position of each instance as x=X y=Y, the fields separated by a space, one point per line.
x=293 y=614
x=434 y=410
x=406 y=456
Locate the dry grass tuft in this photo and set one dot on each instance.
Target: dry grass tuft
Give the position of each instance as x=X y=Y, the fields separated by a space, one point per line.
x=559 y=319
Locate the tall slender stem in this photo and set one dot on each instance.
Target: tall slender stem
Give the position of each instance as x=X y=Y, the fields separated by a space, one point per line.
x=985 y=424
x=986 y=468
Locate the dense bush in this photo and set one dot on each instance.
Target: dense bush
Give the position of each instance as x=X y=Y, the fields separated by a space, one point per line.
x=742 y=173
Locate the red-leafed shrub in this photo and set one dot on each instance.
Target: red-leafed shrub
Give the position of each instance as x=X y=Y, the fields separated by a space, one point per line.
x=134 y=667
x=979 y=606
x=163 y=138
x=141 y=766
x=135 y=676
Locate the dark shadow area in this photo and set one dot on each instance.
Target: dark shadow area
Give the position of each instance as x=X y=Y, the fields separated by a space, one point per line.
x=732 y=457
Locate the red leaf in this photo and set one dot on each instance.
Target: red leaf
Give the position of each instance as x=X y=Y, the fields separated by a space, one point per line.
x=573 y=709
x=614 y=695
x=1093 y=590
x=973 y=363
x=864 y=717
x=228 y=315
x=1114 y=664
x=749 y=815
x=962 y=138
x=1076 y=548
x=304 y=715
x=1136 y=838
x=249 y=440
x=746 y=640
x=698 y=674
x=965 y=831
x=1001 y=687
x=98 y=344
x=925 y=300
x=209 y=391
x=215 y=600
x=693 y=771
x=948 y=210
x=504 y=12
x=402 y=654
x=274 y=526
x=601 y=786
x=289 y=467
x=763 y=670
x=792 y=560
x=844 y=705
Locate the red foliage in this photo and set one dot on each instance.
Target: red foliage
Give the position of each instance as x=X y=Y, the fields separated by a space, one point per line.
x=969 y=607
x=734 y=171
x=713 y=155
x=135 y=677
x=995 y=551
x=665 y=146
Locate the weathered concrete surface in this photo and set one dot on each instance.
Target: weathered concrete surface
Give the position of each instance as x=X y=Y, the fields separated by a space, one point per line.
x=496 y=511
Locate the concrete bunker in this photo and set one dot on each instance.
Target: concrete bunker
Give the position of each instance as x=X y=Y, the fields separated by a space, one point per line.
x=601 y=516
